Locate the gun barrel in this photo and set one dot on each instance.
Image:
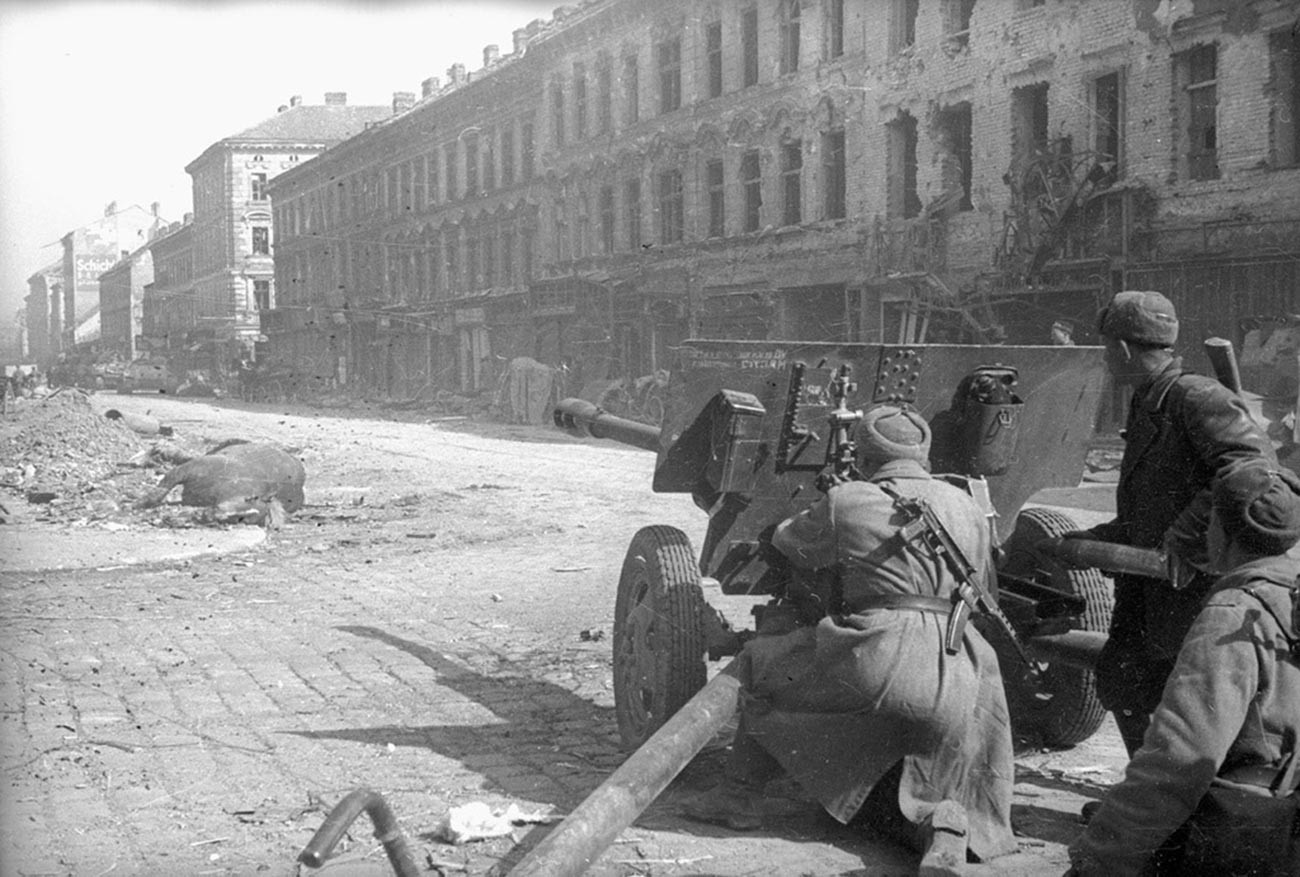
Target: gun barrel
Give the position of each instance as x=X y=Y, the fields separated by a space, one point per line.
x=1106 y=556
x=1074 y=648
x=580 y=417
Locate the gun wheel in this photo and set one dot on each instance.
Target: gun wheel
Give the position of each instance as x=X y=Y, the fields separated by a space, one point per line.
x=1067 y=711
x=659 y=644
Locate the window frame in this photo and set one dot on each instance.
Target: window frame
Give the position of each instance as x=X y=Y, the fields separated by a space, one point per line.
x=791 y=182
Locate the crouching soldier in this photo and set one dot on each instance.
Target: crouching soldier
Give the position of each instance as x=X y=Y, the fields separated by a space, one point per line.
x=1212 y=790
x=865 y=707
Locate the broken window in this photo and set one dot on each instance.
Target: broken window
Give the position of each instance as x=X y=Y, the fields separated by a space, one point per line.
x=902 y=200
x=631 y=90
x=632 y=209
x=1284 y=89
x=262 y=295
x=902 y=24
x=834 y=28
x=557 y=114
x=954 y=147
x=957 y=17
x=257 y=187
x=749 y=47
x=1196 y=71
x=453 y=178
x=670 y=207
x=1108 y=123
x=791 y=175
x=471 y=165
x=604 y=99
x=751 y=179
x=833 y=175
x=713 y=57
x=261 y=240
x=507 y=156
x=789 y=28
x=607 y=219
x=669 y=53
x=1029 y=119
x=717 y=198
x=579 y=100
x=529 y=149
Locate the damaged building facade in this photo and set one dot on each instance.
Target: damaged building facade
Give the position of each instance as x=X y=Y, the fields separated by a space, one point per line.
x=633 y=174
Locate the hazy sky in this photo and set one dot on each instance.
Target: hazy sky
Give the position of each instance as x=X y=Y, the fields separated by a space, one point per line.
x=109 y=100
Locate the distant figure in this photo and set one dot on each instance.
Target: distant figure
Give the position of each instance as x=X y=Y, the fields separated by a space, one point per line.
x=1062 y=334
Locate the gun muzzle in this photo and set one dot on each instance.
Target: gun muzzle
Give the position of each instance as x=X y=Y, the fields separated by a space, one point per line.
x=1107 y=556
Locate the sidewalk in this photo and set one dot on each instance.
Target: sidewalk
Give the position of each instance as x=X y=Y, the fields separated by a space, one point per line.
x=36 y=547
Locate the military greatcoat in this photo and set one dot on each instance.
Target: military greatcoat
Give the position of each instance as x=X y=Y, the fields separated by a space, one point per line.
x=841 y=703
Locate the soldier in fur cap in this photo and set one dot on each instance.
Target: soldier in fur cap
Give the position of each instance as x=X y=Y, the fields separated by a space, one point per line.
x=1213 y=788
x=861 y=704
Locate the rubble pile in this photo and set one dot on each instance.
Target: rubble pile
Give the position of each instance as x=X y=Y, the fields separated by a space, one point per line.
x=57 y=452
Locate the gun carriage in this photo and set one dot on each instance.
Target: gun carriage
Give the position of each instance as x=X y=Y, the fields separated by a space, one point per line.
x=753 y=431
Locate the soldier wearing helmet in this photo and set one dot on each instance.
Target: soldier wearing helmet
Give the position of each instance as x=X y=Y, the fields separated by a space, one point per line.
x=1182 y=430
x=863 y=706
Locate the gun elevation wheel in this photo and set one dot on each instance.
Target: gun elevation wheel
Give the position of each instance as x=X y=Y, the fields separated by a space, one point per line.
x=1067 y=710
x=658 y=632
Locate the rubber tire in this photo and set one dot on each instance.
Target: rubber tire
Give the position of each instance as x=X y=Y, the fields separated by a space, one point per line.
x=1071 y=712
x=659 y=645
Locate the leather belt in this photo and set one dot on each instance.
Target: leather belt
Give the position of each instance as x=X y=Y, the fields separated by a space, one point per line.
x=917 y=602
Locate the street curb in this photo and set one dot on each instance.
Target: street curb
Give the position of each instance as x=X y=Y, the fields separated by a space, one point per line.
x=39 y=548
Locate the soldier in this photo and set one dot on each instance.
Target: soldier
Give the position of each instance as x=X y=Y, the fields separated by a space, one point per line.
x=1182 y=429
x=1230 y=714
x=865 y=708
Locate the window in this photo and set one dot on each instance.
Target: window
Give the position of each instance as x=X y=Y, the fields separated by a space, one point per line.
x=582 y=246
x=954 y=148
x=670 y=207
x=1198 y=111
x=262 y=295
x=1284 y=56
x=717 y=198
x=957 y=16
x=834 y=28
x=833 y=176
x=471 y=165
x=604 y=100
x=791 y=172
x=420 y=185
x=453 y=181
x=472 y=275
x=261 y=240
x=669 y=54
x=751 y=179
x=579 y=101
x=607 y=219
x=1029 y=125
x=451 y=255
x=789 y=26
x=431 y=162
x=509 y=274
x=901 y=198
x=557 y=114
x=530 y=152
x=392 y=189
x=489 y=162
x=632 y=210
x=631 y=91
x=713 y=57
x=507 y=156
x=257 y=185
x=749 y=47
x=1108 y=122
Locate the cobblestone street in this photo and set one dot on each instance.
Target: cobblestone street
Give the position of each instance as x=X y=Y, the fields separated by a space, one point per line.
x=433 y=625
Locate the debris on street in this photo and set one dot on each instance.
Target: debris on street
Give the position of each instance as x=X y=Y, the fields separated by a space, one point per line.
x=478 y=821
x=144 y=424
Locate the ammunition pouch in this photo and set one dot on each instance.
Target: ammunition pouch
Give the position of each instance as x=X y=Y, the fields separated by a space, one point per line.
x=988 y=419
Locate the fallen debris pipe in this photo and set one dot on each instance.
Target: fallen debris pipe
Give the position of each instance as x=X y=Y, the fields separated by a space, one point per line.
x=1106 y=556
x=344 y=813
x=586 y=832
x=1074 y=648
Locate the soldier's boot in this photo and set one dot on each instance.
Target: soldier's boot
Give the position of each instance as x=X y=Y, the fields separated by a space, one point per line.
x=732 y=803
x=945 y=833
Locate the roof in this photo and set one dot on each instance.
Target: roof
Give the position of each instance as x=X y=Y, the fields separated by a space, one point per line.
x=326 y=124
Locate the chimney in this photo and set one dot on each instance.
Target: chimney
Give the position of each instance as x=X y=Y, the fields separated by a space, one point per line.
x=154 y=207
x=281 y=108
x=491 y=54
x=562 y=12
x=336 y=98
x=188 y=217
x=403 y=101
x=295 y=101
x=429 y=87
x=521 y=40
x=456 y=73
x=110 y=208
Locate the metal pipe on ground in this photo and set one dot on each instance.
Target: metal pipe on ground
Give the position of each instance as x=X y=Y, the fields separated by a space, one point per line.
x=586 y=832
